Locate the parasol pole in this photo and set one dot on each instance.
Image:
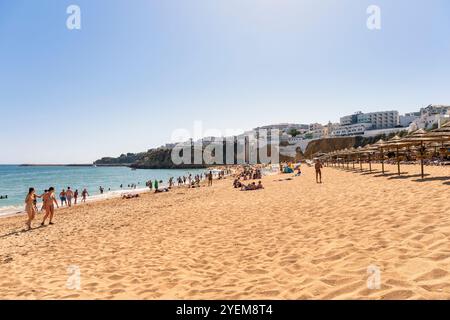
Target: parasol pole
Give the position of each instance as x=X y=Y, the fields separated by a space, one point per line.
x=421 y=158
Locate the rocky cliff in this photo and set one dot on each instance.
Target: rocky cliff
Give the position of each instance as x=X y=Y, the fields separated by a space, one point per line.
x=338 y=143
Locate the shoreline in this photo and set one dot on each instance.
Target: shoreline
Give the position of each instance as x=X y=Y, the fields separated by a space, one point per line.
x=14 y=204
x=95 y=198
x=107 y=195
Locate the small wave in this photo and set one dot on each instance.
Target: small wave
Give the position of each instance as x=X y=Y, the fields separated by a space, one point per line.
x=8 y=210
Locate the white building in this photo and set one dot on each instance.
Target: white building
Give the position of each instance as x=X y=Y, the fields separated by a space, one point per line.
x=432 y=115
x=351 y=119
x=315 y=126
x=379 y=119
x=295 y=140
x=285 y=127
x=318 y=133
x=409 y=118
x=351 y=130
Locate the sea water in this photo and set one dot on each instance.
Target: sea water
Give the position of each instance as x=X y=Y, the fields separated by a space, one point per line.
x=15 y=181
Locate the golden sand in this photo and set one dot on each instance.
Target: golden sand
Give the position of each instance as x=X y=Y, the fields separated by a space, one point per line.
x=293 y=240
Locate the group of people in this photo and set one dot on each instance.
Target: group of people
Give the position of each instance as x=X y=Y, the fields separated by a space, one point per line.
x=66 y=196
x=250 y=174
x=154 y=184
x=49 y=202
x=252 y=186
x=194 y=181
x=4 y=197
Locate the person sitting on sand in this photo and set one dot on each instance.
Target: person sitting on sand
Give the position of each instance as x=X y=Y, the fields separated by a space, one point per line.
x=130 y=196
x=69 y=196
x=49 y=205
x=318 y=166
x=250 y=187
x=62 y=197
x=30 y=206
x=237 y=183
x=259 y=186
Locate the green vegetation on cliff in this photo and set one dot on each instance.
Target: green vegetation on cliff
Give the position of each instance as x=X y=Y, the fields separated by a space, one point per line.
x=122 y=160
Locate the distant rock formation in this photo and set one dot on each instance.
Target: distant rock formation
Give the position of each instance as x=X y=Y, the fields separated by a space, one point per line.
x=123 y=160
x=160 y=159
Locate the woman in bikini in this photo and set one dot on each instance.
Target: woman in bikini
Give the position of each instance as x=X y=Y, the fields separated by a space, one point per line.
x=49 y=205
x=30 y=206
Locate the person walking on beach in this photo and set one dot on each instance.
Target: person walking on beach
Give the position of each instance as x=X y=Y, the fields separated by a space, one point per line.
x=210 y=179
x=75 y=196
x=43 y=207
x=84 y=195
x=49 y=205
x=30 y=206
x=318 y=166
x=62 y=197
x=156 y=185
x=69 y=196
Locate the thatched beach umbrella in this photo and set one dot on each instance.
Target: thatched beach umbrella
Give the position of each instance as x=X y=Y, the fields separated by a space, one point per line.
x=420 y=137
x=359 y=151
x=381 y=145
x=441 y=134
x=351 y=152
x=369 y=150
x=397 y=142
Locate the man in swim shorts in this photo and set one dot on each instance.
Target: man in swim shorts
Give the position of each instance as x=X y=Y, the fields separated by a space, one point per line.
x=69 y=196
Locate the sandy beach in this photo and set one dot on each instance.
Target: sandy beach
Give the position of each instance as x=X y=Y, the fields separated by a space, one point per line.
x=293 y=240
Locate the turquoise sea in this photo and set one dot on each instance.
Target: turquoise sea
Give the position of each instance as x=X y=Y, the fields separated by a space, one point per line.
x=15 y=181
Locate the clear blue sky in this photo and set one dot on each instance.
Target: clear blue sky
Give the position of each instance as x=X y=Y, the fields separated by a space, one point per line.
x=139 y=69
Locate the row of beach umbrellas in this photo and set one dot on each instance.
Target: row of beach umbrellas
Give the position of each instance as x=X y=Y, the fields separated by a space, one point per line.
x=419 y=142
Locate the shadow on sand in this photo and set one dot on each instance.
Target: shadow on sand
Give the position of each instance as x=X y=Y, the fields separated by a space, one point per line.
x=19 y=232
x=402 y=177
x=434 y=179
